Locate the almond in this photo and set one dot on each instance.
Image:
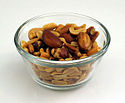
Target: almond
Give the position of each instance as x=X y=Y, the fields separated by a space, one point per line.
x=84 y=41
x=51 y=40
x=64 y=53
x=67 y=37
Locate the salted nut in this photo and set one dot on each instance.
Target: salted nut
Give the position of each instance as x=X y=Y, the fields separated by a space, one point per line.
x=33 y=32
x=51 y=40
x=67 y=37
x=77 y=31
x=49 y=26
x=84 y=41
x=62 y=43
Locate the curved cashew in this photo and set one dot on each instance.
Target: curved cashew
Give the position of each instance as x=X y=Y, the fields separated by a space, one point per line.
x=33 y=33
x=49 y=26
x=76 y=32
x=55 y=33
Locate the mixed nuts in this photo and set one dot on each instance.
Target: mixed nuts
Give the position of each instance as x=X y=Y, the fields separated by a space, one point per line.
x=62 y=43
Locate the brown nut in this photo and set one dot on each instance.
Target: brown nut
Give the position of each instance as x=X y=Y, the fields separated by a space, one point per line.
x=59 y=27
x=84 y=41
x=33 y=31
x=49 y=26
x=51 y=40
x=91 y=30
x=67 y=37
x=71 y=48
x=65 y=29
x=64 y=53
x=31 y=48
x=55 y=33
x=39 y=34
x=93 y=51
x=92 y=33
x=93 y=37
x=24 y=44
x=77 y=31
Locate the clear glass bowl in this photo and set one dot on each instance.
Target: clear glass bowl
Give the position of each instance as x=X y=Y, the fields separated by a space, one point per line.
x=62 y=75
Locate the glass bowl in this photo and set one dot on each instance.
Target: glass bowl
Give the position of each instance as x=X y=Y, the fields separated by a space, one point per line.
x=61 y=75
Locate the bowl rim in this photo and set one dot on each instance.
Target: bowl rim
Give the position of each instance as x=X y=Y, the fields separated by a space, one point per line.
x=72 y=62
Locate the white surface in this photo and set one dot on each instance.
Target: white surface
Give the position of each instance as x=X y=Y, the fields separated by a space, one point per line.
x=108 y=83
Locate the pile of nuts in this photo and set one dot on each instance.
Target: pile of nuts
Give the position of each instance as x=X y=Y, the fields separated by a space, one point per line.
x=62 y=43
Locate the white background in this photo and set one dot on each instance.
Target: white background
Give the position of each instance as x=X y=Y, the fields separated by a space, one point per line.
x=108 y=83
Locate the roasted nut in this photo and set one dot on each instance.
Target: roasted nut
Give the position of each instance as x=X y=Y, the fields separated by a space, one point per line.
x=49 y=69
x=24 y=44
x=67 y=37
x=31 y=48
x=92 y=33
x=61 y=59
x=71 y=48
x=93 y=51
x=37 y=45
x=39 y=34
x=64 y=53
x=57 y=53
x=73 y=43
x=33 y=31
x=77 y=31
x=91 y=30
x=83 y=56
x=45 y=76
x=59 y=77
x=55 y=33
x=26 y=49
x=65 y=29
x=74 y=25
x=60 y=26
x=63 y=40
x=68 y=59
x=36 y=53
x=44 y=55
x=85 y=67
x=56 y=82
x=55 y=73
x=71 y=71
x=93 y=37
x=32 y=41
x=40 y=68
x=51 y=40
x=60 y=69
x=54 y=42
x=49 y=26
x=84 y=41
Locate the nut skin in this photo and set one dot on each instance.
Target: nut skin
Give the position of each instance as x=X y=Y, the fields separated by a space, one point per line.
x=84 y=41
x=67 y=37
x=64 y=53
x=51 y=40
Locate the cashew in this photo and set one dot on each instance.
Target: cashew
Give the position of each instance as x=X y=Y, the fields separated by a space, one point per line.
x=49 y=26
x=55 y=33
x=60 y=26
x=76 y=32
x=32 y=33
x=63 y=40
